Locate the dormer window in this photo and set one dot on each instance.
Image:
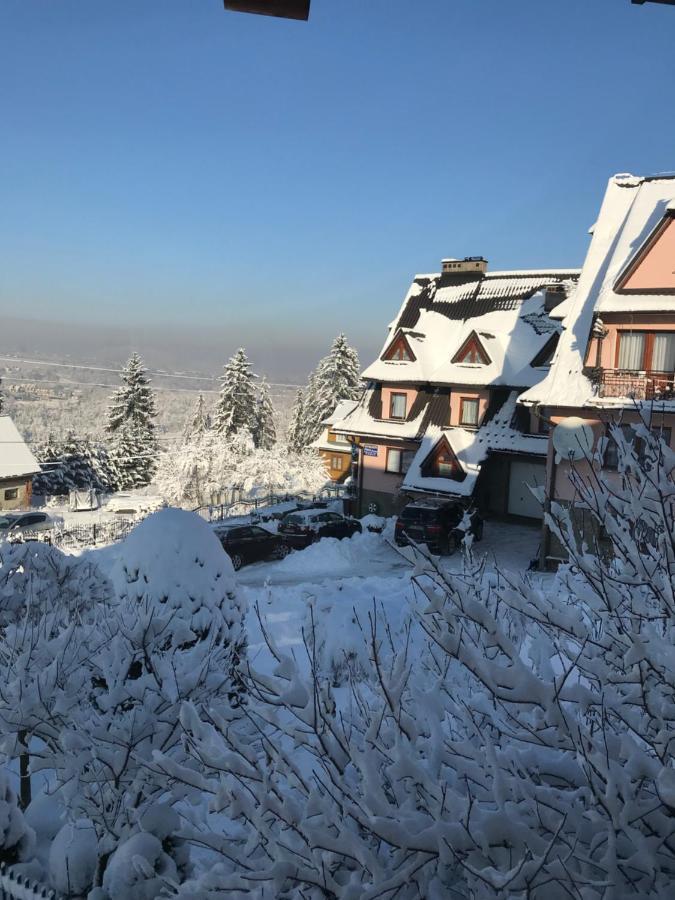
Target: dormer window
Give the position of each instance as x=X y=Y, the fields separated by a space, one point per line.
x=472 y=352
x=468 y=412
x=398 y=405
x=399 y=350
x=442 y=463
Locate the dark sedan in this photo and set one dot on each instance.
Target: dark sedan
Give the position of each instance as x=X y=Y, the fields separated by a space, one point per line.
x=250 y=543
x=304 y=527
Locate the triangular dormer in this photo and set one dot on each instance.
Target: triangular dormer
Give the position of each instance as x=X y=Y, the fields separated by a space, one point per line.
x=399 y=350
x=472 y=351
x=443 y=463
x=652 y=269
x=545 y=356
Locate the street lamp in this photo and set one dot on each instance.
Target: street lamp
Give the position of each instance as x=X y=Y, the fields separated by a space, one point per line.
x=284 y=9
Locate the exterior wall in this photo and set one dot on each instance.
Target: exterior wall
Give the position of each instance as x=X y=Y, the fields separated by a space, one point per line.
x=656 y=269
x=456 y=395
x=630 y=322
x=388 y=390
x=327 y=456
x=378 y=485
x=23 y=487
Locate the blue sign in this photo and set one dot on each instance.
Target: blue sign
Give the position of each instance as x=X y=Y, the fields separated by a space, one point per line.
x=371 y=451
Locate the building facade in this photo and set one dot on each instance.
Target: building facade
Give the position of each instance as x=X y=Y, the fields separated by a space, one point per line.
x=439 y=415
x=17 y=467
x=334 y=449
x=616 y=359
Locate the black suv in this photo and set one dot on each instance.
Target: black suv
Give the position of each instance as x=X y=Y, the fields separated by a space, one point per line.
x=249 y=543
x=436 y=524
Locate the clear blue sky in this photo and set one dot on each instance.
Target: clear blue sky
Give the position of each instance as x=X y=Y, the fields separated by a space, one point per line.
x=165 y=160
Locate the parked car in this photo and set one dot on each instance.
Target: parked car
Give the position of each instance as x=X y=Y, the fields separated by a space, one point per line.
x=250 y=543
x=27 y=524
x=305 y=526
x=436 y=524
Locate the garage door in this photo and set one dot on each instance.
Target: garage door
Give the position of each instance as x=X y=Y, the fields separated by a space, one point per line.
x=524 y=475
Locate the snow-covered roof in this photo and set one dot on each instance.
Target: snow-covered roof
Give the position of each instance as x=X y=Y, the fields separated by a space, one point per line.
x=16 y=460
x=631 y=209
x=471 y=447
x=505 y=309
x=343 y=409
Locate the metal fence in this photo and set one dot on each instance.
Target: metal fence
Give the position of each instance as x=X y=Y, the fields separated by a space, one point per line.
x=19 y=887
x=257 y=507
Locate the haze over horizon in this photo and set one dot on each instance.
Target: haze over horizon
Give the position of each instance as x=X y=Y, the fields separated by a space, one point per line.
x=181 y=180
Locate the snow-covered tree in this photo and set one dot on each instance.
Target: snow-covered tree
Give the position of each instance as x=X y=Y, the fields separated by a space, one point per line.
x=264 y=430
x=294 y=436
x=16 y=838
x=198 y=423
x=528 y=750
x=336 y=378
x=236 y=407
x=175 y=633
x=131 y=422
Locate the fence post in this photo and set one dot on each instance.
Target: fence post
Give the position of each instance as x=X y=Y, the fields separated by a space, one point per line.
x=93 y=533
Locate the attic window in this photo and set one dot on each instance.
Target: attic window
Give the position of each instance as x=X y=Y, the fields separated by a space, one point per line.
x=442 y=463
x=651 y=271
x=545 y=355
x=399 y=350
x=472 y=351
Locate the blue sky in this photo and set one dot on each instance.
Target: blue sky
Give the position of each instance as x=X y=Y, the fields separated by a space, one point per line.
x=277 y=181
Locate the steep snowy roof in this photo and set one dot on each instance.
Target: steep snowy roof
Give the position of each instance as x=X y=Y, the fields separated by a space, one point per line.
x=505 y=309
x=343 y=409
x=471 y=447
x=366 y=418
x=16 y=459
x=630 y=211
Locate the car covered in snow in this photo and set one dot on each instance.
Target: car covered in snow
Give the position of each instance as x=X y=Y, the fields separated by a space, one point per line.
x=436 y=523
x=18 y=526
x=306 y=526
x=250 y=543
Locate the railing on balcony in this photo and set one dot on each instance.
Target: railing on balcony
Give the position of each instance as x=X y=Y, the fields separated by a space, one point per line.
x=636 y=385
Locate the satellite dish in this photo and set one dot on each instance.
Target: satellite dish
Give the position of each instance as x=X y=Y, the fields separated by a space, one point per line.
x=573 y=438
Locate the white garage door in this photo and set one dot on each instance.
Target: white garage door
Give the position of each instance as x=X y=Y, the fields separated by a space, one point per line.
x=521 y=501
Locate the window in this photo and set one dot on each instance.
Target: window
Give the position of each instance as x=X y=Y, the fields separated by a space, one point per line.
x=407 y=457
x=646 y=351
x=394 y=459
x=11 y=494
x=442 y=463
x=472 y=351
x=399 y=350
x=336 y=462
x=611 y=460
x=397 y=407
x=468 y=411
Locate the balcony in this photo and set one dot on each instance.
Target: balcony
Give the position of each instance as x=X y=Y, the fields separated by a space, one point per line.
x=636 y=385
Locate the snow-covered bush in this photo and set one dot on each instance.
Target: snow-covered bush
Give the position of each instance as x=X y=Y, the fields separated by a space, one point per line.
x=174 y=634
x=73 y=858
x=16 y=837
x=526 y=752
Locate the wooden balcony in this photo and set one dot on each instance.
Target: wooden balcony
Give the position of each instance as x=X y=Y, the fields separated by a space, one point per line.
x=636 y=385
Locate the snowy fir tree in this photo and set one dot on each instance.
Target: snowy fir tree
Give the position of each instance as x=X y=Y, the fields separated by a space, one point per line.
x=131 y=418
x=264 y=431
x=294 y=436
x=198 y=423
x=336 y=378
x=236 y=407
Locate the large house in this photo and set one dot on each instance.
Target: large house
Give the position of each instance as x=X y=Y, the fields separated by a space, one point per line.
x=17 y=467
x=616 y=357
x=334 y=449
x=439 y=414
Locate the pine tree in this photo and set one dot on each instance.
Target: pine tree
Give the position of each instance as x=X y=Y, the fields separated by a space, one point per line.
x=294 y=434
x=131 y=422
x=336 y=378
x=264 y=434
x=199 y=423
x=236 y=406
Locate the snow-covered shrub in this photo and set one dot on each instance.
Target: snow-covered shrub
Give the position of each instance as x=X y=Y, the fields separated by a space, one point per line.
x=16 y=837
x=73 y=858
x=175 y=634
x=526 y=752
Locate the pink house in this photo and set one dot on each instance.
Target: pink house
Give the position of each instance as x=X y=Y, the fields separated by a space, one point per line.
x=616 y=358
x=439 y=413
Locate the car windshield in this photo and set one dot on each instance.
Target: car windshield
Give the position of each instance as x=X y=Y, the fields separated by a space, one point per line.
x=6 y=522
x=294 y=520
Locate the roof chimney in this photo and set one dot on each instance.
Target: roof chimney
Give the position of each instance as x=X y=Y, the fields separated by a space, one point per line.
x=468 y=265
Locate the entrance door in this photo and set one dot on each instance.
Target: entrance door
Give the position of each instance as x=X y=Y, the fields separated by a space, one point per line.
x=524 y=475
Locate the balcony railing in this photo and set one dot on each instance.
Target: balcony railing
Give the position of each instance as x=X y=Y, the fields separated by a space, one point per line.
x=636 y=385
